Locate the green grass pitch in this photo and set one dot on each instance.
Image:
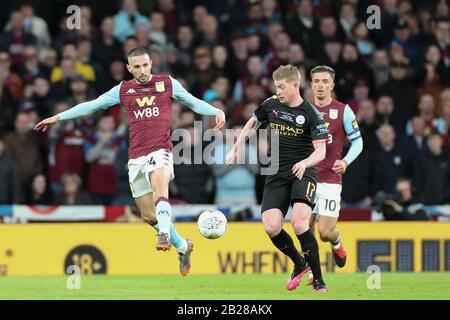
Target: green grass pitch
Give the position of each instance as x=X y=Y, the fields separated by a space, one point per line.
x=227 y=287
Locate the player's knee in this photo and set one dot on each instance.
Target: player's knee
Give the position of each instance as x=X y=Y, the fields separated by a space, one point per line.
x=272 y=229
x=300 y=225
x=325 y=234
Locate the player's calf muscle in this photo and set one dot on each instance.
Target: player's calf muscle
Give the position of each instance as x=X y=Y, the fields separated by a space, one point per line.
x=150 y=219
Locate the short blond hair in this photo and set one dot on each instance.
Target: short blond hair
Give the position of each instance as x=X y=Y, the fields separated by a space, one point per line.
x=288 y=73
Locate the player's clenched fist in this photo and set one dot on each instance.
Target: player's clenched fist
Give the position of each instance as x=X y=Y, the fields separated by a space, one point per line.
x=47 y=123
x=299 y=169
x=220 y=120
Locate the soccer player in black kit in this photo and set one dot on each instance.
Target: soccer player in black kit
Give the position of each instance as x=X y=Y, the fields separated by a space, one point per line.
x=302 y=135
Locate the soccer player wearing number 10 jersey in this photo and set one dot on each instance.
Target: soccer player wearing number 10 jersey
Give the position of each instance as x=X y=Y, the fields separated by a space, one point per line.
x=341 y=124
x=147 y=98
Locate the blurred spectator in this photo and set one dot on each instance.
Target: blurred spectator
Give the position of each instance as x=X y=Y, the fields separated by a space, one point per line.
x=126 y=20
x=296 y=56
x=271 y=11
x=11 y=81
x=239 y=54
x=235 y=185
x=328 y=29
x=219 y=89
x=71 y=193
x=174 y=65
x=209 y=35
x=143 y=36
x=347 y=18
x=390 y=159
x=385 y=109
x=441 y=32
x=193 y=181
x=432 y=176
x=400 y=206
x=332 y=52
x=255 y=75
x=402 y=89
x=33 y=24
x=416 y=142
x=184 y=44
x=256 y=22
x=168 y=9
x=66 y=155
x=22 y=146
x=79 y=91
x=100 y=151
x=405 y=39
x=222 y=63
x=255 y=45
x=106 y=48
x=116 y=73
x=32 y=67
x=10 y=190
x=15 y=40
x=361 y=92
x=40 y=194
x=202 y=73
x=303 y=26
x=427 y=110
x=279 y=53
x=48 y=58
x=157 y=34
x=70 y=53
x=84 y=48
x=365 y=46
x=357 y=186
x=123 y=196
x=10 y=93
x=351 y=69
x=380 y=67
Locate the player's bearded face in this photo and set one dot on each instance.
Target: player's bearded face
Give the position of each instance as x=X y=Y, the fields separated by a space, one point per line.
x=140 y=67
x=322 y=84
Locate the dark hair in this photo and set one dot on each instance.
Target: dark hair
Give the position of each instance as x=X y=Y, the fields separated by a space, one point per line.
x=323 y=68
x=138 y=52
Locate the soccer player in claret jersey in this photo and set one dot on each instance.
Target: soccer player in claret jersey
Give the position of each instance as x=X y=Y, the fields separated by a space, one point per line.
x=302 y=136
x=147 y=98
x=341 y=124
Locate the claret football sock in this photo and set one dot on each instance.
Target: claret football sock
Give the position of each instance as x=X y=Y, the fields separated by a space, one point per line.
x=163 y=213
x=311 y=251
x=284 y=243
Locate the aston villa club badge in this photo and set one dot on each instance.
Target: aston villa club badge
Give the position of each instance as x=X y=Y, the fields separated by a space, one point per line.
x=333 y=114
x=160 y=86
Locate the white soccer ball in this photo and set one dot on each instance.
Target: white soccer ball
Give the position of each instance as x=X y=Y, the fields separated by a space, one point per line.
x=212 y=224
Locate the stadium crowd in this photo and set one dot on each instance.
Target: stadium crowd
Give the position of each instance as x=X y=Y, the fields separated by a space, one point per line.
x=396 y=79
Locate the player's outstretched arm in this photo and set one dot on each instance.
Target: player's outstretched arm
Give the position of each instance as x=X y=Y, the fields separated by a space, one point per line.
x=319 y=153
x=198 y=106
x=106 y=100
x=249 y=126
